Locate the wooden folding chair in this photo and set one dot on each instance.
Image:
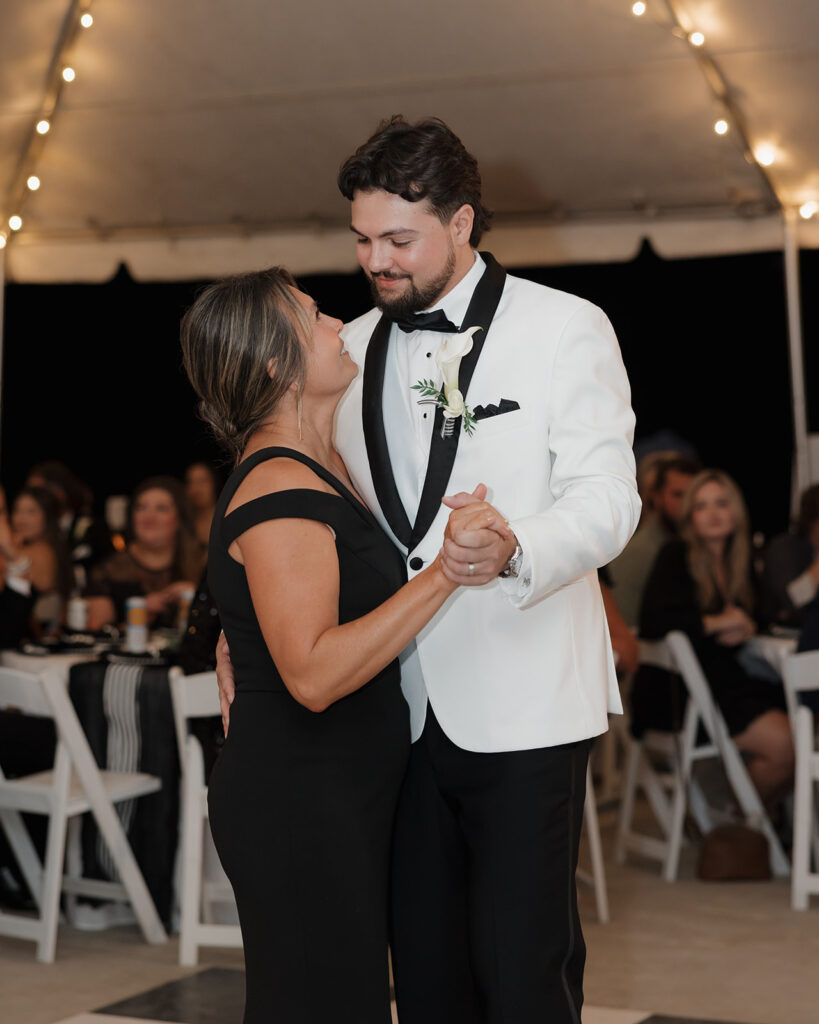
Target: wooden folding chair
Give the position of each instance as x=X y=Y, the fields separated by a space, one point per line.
x=197 y=696
x=74 y=786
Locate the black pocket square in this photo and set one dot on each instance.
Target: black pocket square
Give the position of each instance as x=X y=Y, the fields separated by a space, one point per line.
x=483 y=412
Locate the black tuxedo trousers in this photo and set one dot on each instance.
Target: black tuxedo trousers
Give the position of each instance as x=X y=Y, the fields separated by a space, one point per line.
x=484 y=922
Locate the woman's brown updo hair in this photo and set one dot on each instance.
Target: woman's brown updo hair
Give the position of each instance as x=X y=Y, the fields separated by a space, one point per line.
x=236 y=326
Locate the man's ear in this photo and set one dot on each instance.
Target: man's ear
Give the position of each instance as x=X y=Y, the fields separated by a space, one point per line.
x=461 y=224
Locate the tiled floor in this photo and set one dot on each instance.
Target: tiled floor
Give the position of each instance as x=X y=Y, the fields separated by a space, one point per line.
x=214 y=996
x=688 y=952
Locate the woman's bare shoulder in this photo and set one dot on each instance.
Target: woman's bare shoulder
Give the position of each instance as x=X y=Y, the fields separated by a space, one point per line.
x=281 y=474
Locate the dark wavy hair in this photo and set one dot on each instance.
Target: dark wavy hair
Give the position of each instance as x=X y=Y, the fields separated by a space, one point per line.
x=49 y=505
x=187 y=561
x=418 y=161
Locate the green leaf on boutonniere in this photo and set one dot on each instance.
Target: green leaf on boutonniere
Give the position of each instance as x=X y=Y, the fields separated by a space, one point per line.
x=429 y=389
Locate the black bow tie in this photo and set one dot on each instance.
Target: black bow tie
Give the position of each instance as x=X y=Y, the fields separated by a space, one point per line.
x=434 y=321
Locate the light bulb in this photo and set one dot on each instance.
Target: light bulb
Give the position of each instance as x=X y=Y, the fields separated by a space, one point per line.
x=765 y=155
x=15 y=222
x=2 y=240
x=33 y=183
x=638 y=9
x=696 y=39
x=721 y=126
x=69 y=74
x=43 y=127
x=809 y=209
x=86 y=20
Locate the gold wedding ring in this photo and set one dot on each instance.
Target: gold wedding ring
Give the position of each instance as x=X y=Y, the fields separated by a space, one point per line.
x=470 y=569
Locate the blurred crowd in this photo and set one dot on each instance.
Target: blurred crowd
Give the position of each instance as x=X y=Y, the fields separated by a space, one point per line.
x=54 y=551
x=694 y=566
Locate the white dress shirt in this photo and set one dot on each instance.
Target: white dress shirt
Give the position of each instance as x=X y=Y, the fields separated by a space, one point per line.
x=410 y=358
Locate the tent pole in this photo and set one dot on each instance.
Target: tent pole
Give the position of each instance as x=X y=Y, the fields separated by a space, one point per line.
x=800 y=423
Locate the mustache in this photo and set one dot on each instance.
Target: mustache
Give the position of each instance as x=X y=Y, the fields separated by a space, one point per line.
x=387 y=275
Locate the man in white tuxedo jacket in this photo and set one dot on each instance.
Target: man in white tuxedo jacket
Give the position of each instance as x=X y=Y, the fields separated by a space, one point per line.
x=514 y=676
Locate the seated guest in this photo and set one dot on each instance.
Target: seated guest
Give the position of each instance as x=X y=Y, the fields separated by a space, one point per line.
x=158 y=563
x=88 y=539
x=647 y=469
x=16 y=600
x=789 y=581
x=36 y=538
x=202 y=488
x=630 y=570
x=701 y=584
x=624 y=643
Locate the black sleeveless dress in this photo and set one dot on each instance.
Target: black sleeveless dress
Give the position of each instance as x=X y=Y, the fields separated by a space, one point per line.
x=302 y=804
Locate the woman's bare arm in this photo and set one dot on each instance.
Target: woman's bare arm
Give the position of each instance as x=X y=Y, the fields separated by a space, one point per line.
x=43 y=572
x=292 y=572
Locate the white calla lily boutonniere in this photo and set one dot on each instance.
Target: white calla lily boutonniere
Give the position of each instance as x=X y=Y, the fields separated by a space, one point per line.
x=449 y=397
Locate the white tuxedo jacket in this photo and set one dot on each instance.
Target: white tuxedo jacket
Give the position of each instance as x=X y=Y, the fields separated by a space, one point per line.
x=524 y=663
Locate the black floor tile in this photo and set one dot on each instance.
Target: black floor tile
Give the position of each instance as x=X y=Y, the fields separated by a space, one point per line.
x=213 y=996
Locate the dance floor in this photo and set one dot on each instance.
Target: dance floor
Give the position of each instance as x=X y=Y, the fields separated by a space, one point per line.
x=214 y=996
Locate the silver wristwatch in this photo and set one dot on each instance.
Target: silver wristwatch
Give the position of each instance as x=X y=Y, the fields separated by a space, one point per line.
x=512 y=569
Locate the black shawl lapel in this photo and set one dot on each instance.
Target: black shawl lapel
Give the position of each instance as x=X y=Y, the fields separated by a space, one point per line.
x=442 y=451
x=375 y=437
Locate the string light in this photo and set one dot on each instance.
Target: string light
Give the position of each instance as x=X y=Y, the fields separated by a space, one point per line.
x=43 y=126
x=765 y=155
x=809 y=209
x=2 y=240
x=696 y=39
x=638 y=9
x=721 y=126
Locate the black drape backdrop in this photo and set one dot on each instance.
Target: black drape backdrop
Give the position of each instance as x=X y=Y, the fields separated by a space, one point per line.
x=92 y=373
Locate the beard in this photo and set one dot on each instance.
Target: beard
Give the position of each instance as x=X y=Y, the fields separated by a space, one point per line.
x=414 y=298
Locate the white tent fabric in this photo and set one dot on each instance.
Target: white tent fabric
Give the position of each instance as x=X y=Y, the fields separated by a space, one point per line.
x=202 y=136
x=316 y=251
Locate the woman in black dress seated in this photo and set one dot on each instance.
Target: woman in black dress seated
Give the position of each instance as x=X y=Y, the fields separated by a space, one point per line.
x=702 y=586
x=160 y=563
x=315 y=607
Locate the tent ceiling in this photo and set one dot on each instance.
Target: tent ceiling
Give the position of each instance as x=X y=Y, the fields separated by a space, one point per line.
x=209 y=117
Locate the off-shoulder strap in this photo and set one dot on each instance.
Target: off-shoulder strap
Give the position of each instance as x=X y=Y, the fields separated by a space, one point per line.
x=301 y=503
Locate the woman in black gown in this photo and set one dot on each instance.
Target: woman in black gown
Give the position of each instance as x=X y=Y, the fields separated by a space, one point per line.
x=701 y=585
x=315 y=609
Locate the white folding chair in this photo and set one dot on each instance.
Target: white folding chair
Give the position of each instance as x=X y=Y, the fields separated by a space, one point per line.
x=596 y=878
x=197 y=696
x=670 y=792
x=666 y=788
x=74 y=786
x=801 y=674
